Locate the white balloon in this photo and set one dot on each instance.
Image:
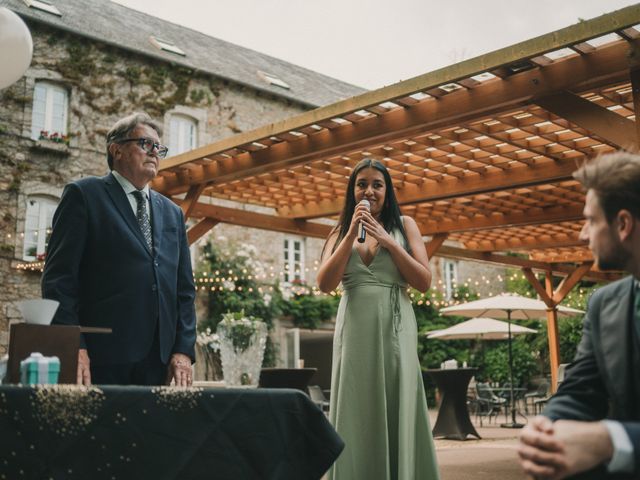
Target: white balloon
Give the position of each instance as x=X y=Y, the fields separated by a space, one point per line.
x=16 y=47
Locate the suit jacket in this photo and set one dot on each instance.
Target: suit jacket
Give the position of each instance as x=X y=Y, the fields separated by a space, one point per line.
x=103 y=274
x=604 y=379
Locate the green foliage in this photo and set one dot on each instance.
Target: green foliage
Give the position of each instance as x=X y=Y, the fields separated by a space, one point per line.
x=132 y=74
x=6 y=249
x=244 y=296
x=496 y=362
x=81 y=61
x=309 y=311
x=240 y=329
x=517 y=283
x=197 y=95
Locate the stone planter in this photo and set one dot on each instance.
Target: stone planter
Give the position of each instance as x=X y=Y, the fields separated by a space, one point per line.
x=242 y=345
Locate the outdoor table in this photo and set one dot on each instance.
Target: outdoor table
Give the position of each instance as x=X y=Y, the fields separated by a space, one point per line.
x=297 y=378
x=114 y=432
x=453 y=416
x=518 y=394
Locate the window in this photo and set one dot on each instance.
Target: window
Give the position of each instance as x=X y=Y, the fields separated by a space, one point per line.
x=43 y=5
x=166 y=45
x=37 y=227
x=50 y=104
x=450 y=277
x=272 y=79
x=293 y=256
x=182 y=134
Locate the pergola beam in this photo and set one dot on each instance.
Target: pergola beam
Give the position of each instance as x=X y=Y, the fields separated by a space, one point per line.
x=191 y=199
x=573 y=34
x=571 y=281
x=533 y=216
x=606 y=63
x=200 y=229
x=515 y=244
x=539 y=288
x=608 y=125
x=635 y=89
x=434 y=245
x=259 y=220
x=517 y=262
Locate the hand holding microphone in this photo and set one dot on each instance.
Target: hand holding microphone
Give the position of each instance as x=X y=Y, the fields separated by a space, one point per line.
x=362 y=233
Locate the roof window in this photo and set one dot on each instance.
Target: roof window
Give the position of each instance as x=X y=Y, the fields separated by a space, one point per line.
x=273 y=79
x=43 y=5
x=166 y=46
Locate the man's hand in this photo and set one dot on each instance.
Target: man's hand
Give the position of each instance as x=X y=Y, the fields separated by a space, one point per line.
x=84 y=373
x=541 y=453
x=180 y=370
x=564 y=448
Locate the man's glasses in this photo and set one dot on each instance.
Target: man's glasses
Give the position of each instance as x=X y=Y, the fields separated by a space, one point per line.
x=149 y=146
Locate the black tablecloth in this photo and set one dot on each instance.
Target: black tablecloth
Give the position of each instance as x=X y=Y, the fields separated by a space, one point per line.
x=69 y=432
x=453 y=417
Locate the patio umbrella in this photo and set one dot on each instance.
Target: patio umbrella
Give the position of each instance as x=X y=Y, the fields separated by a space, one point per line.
x=511 y=307
x=480 y=329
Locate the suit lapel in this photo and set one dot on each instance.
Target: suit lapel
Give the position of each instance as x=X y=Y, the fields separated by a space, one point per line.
x=614 y=334
x=123 y=206
x=157 y=218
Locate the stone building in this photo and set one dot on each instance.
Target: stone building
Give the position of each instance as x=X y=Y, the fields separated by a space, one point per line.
x=86 y=74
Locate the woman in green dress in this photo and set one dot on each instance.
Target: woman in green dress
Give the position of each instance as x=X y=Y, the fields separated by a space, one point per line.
x=378 y=404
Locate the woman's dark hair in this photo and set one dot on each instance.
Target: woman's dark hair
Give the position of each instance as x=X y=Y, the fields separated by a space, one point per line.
x=390 y=214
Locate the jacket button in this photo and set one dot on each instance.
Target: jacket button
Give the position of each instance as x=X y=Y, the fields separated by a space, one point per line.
x=154 y=287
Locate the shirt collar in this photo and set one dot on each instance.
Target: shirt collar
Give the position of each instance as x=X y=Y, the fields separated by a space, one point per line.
x=127 y=186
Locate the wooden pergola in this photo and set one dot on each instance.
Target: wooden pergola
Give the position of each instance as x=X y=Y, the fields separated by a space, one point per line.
x=481 y=153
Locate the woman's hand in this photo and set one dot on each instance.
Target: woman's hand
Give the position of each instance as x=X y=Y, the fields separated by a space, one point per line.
x=376 y=230
x=358 y=215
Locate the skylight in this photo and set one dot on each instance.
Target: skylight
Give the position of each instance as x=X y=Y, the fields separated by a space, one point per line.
x=166 y=45
x=272 y=79
x=44 y=5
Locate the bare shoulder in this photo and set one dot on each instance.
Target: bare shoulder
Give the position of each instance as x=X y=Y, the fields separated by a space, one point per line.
x=409 y=223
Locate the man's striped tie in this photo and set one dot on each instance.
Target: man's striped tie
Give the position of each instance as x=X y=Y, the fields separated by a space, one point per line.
x=143 y=217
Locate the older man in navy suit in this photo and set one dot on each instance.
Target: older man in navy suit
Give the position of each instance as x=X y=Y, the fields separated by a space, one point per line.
x=118 y=257
x=592 y=424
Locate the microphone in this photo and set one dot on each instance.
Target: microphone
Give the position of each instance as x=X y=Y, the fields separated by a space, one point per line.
x=362 y=233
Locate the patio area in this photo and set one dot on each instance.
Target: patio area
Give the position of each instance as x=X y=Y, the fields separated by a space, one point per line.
x=492 y=457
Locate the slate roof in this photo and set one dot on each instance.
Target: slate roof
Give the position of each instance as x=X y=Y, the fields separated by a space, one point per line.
x=129 y=29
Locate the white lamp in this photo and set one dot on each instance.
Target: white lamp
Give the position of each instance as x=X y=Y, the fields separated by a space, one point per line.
x=16 y=47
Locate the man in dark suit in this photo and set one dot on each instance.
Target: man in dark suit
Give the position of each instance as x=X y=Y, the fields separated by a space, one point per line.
x=118 y=257
x=592 y=424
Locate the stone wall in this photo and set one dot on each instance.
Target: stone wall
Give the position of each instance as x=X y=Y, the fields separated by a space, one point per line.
x=103 y=83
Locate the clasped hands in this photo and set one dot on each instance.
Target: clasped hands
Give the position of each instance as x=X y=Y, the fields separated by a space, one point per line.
x=555 y=450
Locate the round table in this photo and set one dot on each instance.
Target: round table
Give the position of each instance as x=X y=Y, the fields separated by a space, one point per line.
x=453 y=416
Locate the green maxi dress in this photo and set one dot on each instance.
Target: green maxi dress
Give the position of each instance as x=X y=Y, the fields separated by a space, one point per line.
x=378 y=404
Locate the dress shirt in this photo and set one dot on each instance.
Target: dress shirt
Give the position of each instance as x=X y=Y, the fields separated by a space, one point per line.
x=129 y=188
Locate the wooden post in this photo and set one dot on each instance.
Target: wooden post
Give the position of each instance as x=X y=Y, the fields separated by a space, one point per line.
x=552 y=333
x=635 y=88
